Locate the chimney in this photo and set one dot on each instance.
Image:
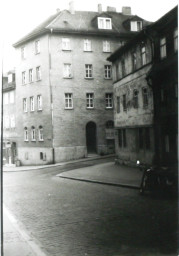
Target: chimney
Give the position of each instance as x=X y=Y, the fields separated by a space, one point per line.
x=100 y=8
x=111 y=9
x=126 y=10
x=71 y=7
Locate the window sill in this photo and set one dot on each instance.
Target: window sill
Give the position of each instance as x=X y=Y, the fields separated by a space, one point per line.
x=89 y=78
x=108 y=78
x=69 y=108
x=87 y=51
x=109 y=108
x=106 y=52
x=38 y=80
x=41 y=140
x=26 y=141
x=25 y=112
x=37 y=53
x=39 y=110
x=33 y=140
x=89 y=108
x=66 y=50
x=32 y=111
x=65 y=77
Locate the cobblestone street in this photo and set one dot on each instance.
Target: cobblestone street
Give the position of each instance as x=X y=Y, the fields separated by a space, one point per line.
x=74 y=218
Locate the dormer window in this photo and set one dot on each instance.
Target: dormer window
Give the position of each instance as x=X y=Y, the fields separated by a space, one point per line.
x=104 y=23
x=136 y=25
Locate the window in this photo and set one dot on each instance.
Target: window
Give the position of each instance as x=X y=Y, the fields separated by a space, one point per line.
x=37 y=46
x=143 y=55
x=23 y=77
x=10 y=78
x=122 y=142
x=68 y=100
x=41 y=138
x=88 y=71
x=11 y=97
x=42 y=156
x=65 y=44
x=90 y=100
x=87 y=45
x=117 y=71
x=104 y=23
x=106 y=46
x=31 y=103
x=118 y=104
x=136 y=25
x=23 y=53
x=38 y=73
x=107 y=71
x=67 y=71
x=109 y=100
x=123 y=67
x=6 y=121
x=175 y=35
x=163 y=52
x=25 y=104
x=26 y=138
x=39 y=102
x=30 y=75
x=145 y=96
x=144 y=138
x=135 y=98
x=109 y=124
x=124 y=102
x=33 y=133
x=6 y=98
x=134 y=61
x=12 y=121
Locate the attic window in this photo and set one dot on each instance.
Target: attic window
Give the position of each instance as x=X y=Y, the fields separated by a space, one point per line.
x=136 y=25
x=104 y=23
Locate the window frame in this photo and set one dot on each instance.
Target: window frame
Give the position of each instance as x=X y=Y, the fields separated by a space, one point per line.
x=67 y=70
x=109 y=100
x=175 y=38
x=88 y=71
x=32 y=104
x=145 y=97
x=38 y=73
x=163 y=48
x=134 y=60
x=118 y=104
x=31 y=75
x=102 y=23
x=107 y=71
x=23 y=77
x=37 y=46
x=68 y=100
x=124 y=102
x=87 y=45
x=25 y=109
x=40 y=133
x=26 y=134
x=33 y=134
x=89 y=100
x=106 y=46
x=39 y=102
x=66 y=44
x=143 y=55
x=23 y=52
x=136 y=98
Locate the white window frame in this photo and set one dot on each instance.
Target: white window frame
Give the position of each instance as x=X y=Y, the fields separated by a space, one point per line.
x=12 y=121
x=23 y=77
x=107 y=71
x=33 y=134
x=136 y=25
x=145 y=96
x=32 y=105
x=89 y=100
x=109 y=100
x=175 y=37
x=39 y=102
x=143 y=55
x=37 y=46
x=67 y=70
x=25 y=105
x=41 y=136
x=66 y=44
x=104 y=23
x=88 y=71
x=87 y=45
x=26 y=135
x=38 y=73
x=30 y=75
x=68 y=101
x=106 y=46
x=10 y=76
x=163 y=48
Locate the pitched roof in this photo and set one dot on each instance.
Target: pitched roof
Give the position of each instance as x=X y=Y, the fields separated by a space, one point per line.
x=80 y=22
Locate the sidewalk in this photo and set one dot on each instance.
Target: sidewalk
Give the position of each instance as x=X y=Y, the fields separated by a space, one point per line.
x=7 y=168
x=107 y=173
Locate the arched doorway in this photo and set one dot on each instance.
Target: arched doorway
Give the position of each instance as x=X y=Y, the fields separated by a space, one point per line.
x=91 y=137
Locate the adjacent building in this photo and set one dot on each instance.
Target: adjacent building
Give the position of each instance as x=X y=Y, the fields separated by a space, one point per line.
x=64 y=84
x=145 y=74
x=9 y=118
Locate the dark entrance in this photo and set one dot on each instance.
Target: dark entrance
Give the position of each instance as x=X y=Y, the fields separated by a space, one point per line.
x=91 y=137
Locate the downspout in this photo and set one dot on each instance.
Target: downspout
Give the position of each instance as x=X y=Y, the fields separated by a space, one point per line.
x=51 y=95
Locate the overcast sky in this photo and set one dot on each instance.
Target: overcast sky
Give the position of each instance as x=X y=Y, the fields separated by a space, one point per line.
x=18 y=17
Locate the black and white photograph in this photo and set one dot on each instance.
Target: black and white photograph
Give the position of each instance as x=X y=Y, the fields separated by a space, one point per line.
x=89 y=128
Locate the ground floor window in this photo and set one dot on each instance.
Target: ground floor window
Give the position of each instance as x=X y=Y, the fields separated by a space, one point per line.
x=122 y=140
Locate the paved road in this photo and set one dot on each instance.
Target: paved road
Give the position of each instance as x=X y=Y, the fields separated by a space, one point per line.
x=73 y=218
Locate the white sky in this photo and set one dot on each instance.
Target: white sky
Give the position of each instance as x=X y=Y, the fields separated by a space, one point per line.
x=18 y=17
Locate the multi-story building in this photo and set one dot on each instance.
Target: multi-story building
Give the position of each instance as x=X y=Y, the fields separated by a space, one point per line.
x=9 y=118
x=64 y=84
x=133 y=101
x=145 y=94
x=163 y=79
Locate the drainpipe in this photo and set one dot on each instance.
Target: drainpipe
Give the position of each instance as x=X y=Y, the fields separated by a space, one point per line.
x=51 y=95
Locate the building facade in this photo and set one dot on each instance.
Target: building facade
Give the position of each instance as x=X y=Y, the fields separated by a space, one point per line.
x=133 y=101
x=64 y=84
x=9 y=119
x=145 y=78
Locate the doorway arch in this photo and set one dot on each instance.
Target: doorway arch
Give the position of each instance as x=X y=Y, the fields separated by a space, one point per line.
x=91 y=137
